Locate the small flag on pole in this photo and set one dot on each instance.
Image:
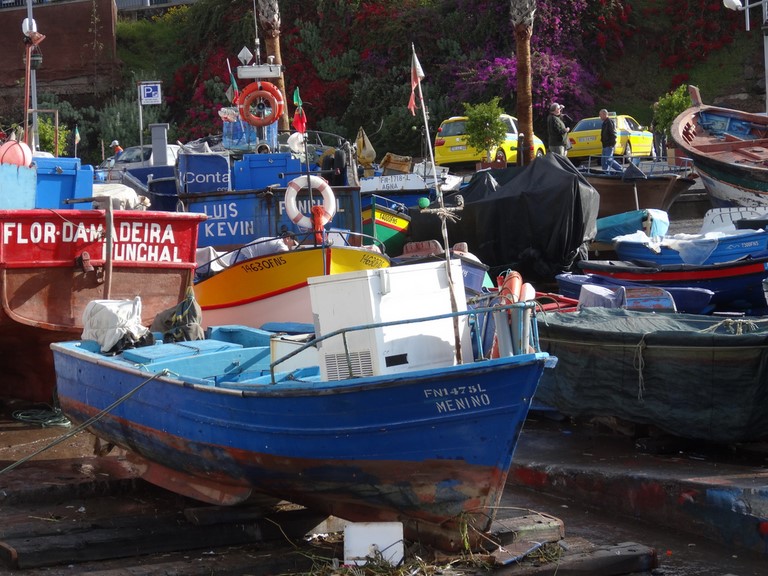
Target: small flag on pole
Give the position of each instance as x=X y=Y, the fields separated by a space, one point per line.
x=417 y=75
x=77 y=135
x=299 y=118
x=232 y=92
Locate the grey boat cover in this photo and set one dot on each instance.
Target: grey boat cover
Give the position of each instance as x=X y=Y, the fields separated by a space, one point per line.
x=537 y=219
x=691 y=376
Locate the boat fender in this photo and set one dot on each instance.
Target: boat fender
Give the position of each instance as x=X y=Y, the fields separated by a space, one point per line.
x=15 y=153
x=292 y=209
x=261 y=91
x=510 y=287
x=339 y=168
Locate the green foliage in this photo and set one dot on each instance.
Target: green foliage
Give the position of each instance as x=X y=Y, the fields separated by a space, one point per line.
x=46 y=131
x=351 y=60
x=153 y=47
x=669 y=107
x=118 y=120
x=485 y=129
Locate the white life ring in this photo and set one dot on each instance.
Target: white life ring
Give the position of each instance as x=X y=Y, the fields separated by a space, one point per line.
x=317 y=183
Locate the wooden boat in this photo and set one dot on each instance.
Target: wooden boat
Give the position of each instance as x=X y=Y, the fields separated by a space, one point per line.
x=729 y=149
x=386 y=221
x=379 y=422
x=274 y=287
x=736 y=286
x=55 y=259
x=691 y=376
x=688 y=299
x=637 y=190
x=698 y=249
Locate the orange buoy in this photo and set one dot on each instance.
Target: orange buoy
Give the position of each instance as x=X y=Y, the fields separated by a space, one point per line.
x=16 y=153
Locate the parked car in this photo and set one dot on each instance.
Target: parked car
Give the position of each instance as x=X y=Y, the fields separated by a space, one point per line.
x=451 y=143
x=133 y=157
x=632 y=139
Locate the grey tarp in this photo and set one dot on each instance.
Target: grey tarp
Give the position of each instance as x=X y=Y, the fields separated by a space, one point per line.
x=692 y=376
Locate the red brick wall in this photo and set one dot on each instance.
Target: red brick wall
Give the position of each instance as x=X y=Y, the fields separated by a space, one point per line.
x=71 y=64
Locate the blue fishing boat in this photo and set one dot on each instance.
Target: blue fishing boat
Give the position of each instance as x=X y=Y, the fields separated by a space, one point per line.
x=696 y=249
x=392 y=420
x=736 y=286
x=689 y=299
x=243 y=193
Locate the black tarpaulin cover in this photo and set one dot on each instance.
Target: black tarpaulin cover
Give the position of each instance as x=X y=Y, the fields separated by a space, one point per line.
x=536 y=219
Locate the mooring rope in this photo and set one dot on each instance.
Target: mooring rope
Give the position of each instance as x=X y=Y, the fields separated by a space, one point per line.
x=639 y=363
x=87 y=423
x=735 y=326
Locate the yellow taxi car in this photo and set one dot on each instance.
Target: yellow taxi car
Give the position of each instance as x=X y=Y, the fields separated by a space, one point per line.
x=632 y=139
x=451 y=143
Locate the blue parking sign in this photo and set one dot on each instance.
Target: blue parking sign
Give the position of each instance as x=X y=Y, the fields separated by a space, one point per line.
x=150 y=93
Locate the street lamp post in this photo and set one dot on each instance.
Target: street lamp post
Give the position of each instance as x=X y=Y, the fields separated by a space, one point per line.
x=740 y=7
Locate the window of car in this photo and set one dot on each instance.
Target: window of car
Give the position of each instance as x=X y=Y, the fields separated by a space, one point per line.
x=632 y=123
x=133 y=154
x=455 y=128
x=511 y=125
x=588 y=124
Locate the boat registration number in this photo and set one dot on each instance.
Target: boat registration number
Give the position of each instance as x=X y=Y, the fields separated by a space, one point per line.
x=587 y=138
x=457 y=148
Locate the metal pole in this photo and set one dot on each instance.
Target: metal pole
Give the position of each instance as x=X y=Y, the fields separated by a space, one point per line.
x=141 y=124
x=32 y=79
x=28 y=50
x=765 y=50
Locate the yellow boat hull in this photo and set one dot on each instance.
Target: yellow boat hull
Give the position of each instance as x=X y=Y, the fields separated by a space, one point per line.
x=274 y=288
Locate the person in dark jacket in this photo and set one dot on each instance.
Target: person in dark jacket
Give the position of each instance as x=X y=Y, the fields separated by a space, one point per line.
x=557 y=131
x=608 y=143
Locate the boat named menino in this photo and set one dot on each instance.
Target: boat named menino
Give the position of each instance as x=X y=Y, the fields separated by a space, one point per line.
x=400 y=418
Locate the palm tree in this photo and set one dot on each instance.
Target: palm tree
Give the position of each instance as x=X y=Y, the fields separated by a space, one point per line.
x=521 y=15
x=269 y=18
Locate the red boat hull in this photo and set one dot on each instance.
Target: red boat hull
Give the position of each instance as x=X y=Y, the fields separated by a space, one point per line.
x=54 y=262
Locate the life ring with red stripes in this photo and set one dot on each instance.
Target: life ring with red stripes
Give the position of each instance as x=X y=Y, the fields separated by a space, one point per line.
x=321 y=217
x=264 y=91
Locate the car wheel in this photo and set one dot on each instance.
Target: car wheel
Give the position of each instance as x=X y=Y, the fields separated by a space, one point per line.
x=539 y=153
x=500 y=156
x=628 y=151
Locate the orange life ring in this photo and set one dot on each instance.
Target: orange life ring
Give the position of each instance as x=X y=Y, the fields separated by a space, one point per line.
x=328 y=207
x=260 y=91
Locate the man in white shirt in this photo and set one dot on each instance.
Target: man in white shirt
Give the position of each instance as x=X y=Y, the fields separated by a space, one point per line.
x=265 y=246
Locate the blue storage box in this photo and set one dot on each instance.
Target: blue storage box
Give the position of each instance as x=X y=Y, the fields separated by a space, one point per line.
x=60 y=179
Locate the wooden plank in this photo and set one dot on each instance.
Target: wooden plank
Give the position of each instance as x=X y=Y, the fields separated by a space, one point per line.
x=528 y=528
x=623 y=558
x=149 y=537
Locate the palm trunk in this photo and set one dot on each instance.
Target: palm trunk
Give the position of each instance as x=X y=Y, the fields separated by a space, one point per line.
x=523 y=34
x=269 y=18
